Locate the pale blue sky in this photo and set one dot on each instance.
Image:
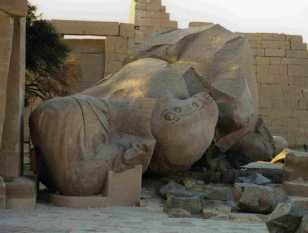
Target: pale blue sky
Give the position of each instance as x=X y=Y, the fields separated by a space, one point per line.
x=281 y=16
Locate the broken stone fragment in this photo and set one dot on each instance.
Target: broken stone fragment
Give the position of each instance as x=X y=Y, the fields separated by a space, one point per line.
x=301 y=202
x=286 y=218
x=178 y=213
x=254 y=179
x=303 y=228
x=256 y=198
x=296 y=165
x=216 y=210
x=296 y=188
x=274 y=172
x=191 y=204
x=175 y=189
x=215 y=192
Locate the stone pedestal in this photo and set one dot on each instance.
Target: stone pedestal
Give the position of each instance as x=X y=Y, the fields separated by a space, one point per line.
x=15 y=191
x=122 y=189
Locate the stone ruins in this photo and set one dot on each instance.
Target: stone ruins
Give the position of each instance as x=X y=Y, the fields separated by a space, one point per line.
x=15 y=190
x=218 y=116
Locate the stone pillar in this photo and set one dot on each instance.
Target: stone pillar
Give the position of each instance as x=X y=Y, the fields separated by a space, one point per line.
x=11 y=146
x=6 y=39
x=12 y=83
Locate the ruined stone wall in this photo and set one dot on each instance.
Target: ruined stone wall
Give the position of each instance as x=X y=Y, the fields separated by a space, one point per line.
x=281 y=66
x=113 y=50
x=150 y=16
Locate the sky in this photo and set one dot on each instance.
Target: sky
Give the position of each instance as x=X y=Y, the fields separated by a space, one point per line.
x=279 y=16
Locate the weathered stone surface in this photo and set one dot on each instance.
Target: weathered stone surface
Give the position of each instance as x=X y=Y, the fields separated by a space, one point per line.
x=2 y=194
x=254 y=179
x=178 y=213
x=14 y=7
x=191 y=204
x=178 y=104
x=274 y=172
x=296 y=165
x=296 y=188
x=257 y=198
x=20 y=193
x=166 y=47
x=285 y=218
x=216 y=210
x=303 y=228
x=215 y=192
x=101 y=151
x=122 y=189
x=173 y=188
x=75 y=27
x=301 y=202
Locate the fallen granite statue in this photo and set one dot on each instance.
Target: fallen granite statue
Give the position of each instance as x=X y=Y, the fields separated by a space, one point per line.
x=183 y=92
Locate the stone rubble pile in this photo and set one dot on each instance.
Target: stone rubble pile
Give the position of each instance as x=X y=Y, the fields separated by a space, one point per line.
x=274 y=193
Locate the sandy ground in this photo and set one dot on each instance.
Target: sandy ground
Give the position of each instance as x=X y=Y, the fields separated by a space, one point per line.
x=50 y=219
x=149 y=218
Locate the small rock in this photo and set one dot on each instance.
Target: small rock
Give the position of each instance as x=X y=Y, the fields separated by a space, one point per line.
x=178 y=213
x=175 y=189
x=274 y=172
x=254 y=179
x=255 y=198
x=215 y=192
x=216 y=209
x=286 y=218
x=191 y=204
x=303 y=228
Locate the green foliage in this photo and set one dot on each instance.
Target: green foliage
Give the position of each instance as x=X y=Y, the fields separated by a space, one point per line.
x=45 y=57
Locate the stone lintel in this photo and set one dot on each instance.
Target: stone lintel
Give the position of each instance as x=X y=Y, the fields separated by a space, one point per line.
x=122 y=189
x=14 y=7
x=93 y=28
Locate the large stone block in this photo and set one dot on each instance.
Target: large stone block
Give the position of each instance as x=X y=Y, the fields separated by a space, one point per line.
x=296 y=188
x=296 y=165
x=297 y=70
x=275 y=44
x=285 y=218
x=20 y=193
x=275 y=52
x=127 y=30
x=297 y=54
x=124 y=188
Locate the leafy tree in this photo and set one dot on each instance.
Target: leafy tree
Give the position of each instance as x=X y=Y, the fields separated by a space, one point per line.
x=45 y=56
